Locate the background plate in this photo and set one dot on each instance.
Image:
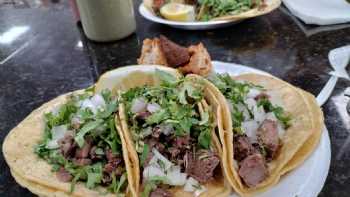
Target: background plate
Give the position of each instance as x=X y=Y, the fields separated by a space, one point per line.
x=308 y=179
x=184 y=25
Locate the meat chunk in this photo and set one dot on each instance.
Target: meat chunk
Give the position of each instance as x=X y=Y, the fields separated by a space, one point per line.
x=85 y=150
x=242 y=147
x=175 y=54
x=152 y=53
x=63 y=175
x=268 y=137
x=200 y=61
x=82 y=161
x=160 y=192
x=253 y=170
x=67 y=145
x=202 y=166
x=183 y=142
x=154 y=143
x=156 y=131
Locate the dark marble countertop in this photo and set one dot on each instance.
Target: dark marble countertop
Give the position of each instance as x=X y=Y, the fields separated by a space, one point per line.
x=51 y=56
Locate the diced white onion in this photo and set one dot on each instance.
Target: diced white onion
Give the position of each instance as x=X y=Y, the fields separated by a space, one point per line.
x=258 y=112
x=242 y=108
x=190 y=185
x=280 y=130
x=57 y=133
x=175 y=177
x=88 y=104
x=271 y=116
x=167 y=163
x=152 y=171
x=98 y=101
x=138 y=105
x=253 y=93
x=249 y=128
x=153 y=107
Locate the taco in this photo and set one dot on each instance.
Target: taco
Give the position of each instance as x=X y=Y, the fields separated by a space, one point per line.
x=70 y=147
x=169 y=129
x=268 y=128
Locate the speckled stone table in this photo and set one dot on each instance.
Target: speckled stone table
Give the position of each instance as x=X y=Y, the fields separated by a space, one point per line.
x=50 y=55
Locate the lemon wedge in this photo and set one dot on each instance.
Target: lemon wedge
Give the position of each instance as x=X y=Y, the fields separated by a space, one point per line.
x=178 y=12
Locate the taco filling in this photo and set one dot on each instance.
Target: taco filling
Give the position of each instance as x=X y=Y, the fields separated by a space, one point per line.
x=172 y=135
x=258 y=122
x=81 y=143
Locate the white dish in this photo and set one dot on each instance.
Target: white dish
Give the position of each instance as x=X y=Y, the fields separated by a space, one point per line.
x=185 y=25
x=308 y=179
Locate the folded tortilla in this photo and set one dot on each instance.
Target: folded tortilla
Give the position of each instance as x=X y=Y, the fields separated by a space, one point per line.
x=35 y=173
x=218 y=187
x=299 y=140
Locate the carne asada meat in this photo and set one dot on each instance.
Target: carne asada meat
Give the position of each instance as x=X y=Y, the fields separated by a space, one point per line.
x=268 y=137
x=202 y=165
x=63 y=175
x=82 y=161
x=175 y=54
x=67 y=145
x=160 y=192
x=85 y=150
x=253 y=170
x=242 y=147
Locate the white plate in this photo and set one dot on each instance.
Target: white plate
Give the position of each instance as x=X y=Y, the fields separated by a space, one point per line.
x=185 y=25
x=308 y=179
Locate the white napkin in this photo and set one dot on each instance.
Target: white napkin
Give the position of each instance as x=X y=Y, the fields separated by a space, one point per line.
x=320 y=12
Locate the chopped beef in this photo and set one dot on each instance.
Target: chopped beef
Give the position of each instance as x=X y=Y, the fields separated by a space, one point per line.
x=242 y=147
x=82 y=161
x=174 y=152
x=63 y=175
x=253 y=170
x=268 y=137
x=202 y=165
x=67 y=145
x=156 y=131
x=154 y=143
x=175 y=54
x=262 y=95
x=157 y=4
x=85 y=150
x=183 y=142
x=160 y=192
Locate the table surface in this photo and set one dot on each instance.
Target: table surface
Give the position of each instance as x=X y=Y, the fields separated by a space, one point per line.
x=53 y=56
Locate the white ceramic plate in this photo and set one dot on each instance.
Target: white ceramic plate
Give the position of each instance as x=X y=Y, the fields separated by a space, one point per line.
x=184 y=25
x=308 y=179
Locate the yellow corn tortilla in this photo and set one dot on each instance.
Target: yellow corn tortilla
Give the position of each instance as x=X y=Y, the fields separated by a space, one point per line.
x=298 y=142
x=218 y=187
x=18 y=149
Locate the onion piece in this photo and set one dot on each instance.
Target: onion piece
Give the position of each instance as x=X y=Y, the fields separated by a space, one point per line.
x=152 y=171
x=175 y=177
x=192 y=185
x=167 y=129
x=167 y=163
x=88 y=104
x=153 y=107
x=138 y=105
x=249 y=128
x=253 y=93
x=98 y=101
x=57 y=133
